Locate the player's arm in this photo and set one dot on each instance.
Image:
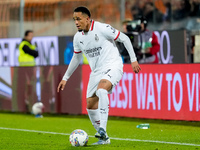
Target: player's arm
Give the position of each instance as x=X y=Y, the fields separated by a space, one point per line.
x=127 y=43
x=71 y=68
x=29 y=51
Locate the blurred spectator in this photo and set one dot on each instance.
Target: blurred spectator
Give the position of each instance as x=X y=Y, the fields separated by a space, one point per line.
x=121 y=48
x=168 y=14
x=148 y=11
x=159 y=4
x=147 y=42
x=158 y=11
x=182 y=9
x=27 y=51
x=137 y=9
x=195 y=8
x=124 y=24
x=164 y=7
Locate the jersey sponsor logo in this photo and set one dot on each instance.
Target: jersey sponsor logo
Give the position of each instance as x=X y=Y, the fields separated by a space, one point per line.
x=93 y=52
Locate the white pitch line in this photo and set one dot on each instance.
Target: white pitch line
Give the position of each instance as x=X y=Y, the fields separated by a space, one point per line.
x=120 y=139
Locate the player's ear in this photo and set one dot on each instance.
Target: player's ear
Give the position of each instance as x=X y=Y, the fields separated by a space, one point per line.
x=88 y=18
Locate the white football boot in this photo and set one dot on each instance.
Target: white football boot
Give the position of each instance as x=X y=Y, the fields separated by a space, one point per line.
x=101 y=135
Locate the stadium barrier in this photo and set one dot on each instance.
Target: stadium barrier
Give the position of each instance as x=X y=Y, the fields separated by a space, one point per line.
x=21 y=87
x=158 y=92
x=168 y=91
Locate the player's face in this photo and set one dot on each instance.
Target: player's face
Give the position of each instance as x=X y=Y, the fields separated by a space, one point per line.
x=82 y=21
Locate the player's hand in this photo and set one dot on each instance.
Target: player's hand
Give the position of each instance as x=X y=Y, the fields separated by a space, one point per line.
x=61 y=85
x=136 y=67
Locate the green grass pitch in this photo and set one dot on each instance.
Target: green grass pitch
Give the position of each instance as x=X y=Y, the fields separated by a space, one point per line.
x=25 y=132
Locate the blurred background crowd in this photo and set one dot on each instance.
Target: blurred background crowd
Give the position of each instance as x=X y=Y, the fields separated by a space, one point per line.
x=54 y=17
x=169 y=14
x=160 y=11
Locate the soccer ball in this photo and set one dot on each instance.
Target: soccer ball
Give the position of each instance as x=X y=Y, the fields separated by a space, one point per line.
x=78 y=138
x=38 y=108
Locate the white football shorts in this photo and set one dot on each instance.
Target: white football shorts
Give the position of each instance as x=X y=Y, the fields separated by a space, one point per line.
x=114 y=75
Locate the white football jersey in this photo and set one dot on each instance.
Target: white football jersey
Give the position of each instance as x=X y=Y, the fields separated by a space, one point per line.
x=98 y=45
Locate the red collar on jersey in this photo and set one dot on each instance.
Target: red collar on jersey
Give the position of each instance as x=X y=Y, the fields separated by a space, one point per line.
x=91 y=26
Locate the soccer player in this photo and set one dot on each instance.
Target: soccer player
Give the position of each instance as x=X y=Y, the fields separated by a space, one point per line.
x=97 y=42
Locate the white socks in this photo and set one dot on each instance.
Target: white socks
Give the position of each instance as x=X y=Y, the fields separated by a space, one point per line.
x=103 y=107
x=94 y=116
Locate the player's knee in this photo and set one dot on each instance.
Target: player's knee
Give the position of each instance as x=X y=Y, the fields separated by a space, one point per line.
x=105 y=84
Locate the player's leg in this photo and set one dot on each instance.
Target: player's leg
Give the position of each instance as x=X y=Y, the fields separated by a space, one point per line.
x=92 y=100
x=102 y=92
x=103 y=106
x=93 y=104
x=93 y=111
x=107 y=82
x=94 y=115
